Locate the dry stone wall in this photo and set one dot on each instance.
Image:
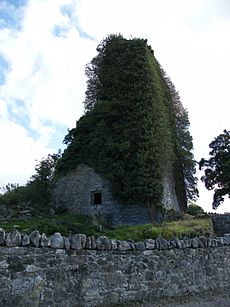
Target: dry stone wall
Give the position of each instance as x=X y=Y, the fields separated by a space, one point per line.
x=83 y=271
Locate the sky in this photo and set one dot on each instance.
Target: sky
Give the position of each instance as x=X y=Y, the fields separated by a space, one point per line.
x=45 y=45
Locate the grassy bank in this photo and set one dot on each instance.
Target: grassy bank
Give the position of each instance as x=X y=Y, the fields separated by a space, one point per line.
x=189 y=227
x=68 y=224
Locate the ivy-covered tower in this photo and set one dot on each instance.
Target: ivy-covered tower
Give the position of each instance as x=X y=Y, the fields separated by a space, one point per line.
x=134 y=131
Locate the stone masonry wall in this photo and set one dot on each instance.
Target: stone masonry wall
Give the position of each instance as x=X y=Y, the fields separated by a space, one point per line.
x=73 y=192
x=221 y=223
x=81 y=271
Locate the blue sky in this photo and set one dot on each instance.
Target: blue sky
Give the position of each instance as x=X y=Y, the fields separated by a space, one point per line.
x=45 y=45
x=10 y=13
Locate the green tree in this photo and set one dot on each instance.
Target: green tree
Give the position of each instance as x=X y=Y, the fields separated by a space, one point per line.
x=40 y=184
x=12 y=194
x=217 y=168
x=37 y=191
x=194 y=209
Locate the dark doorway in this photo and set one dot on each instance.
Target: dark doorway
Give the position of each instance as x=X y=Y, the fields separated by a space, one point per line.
x=97 y=198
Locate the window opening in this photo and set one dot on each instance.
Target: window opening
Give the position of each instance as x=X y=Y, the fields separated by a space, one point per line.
x=97 y=198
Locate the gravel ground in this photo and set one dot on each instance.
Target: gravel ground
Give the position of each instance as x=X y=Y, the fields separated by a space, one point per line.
x=209 y=299
x=214 y=302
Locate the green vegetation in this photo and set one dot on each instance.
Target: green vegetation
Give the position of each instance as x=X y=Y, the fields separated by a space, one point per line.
x=184 y=164
x=217 y=168
x=68 y=224
x=41 y=183
x=37 y=192
x=135 y=129
x=13 y=194
x=194 y=209
x=182 y=228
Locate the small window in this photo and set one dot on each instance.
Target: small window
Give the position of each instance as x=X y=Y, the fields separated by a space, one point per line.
x=96 y=198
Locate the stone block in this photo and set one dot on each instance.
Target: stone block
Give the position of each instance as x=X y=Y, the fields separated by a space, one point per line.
x=56 y=240
x=2 y=236
x=150 y=244
x=35 y=238
x=13 y=238
x=25 y=240
x=77 y=241
x=161 y=243
x=103 y=243
x=140 y=246
x=66 y=243
x=45 y=242
x=194 y=243
x=124 y=246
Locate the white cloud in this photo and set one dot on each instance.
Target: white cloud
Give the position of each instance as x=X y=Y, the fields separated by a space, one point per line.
x=132 y=17
x=46 y=73
x=3 y=109
x=19 y=153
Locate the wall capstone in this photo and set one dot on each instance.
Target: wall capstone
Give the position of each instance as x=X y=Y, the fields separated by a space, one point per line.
x=14 y=238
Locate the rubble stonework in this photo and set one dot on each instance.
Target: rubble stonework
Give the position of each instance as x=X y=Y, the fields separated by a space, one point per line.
x=74 y=193
x=87 y=271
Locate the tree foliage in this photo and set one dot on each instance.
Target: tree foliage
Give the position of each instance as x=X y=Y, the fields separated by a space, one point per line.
x=12 y=194
x=40 y=184
x=128 y=132
x=38 y=189
x=194 y=209
x=217 y=168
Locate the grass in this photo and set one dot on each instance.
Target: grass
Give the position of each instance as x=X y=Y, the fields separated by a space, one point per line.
x=185 y=227
x=68 y=224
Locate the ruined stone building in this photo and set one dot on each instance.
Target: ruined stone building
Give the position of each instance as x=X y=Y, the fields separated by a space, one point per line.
x=83 y=191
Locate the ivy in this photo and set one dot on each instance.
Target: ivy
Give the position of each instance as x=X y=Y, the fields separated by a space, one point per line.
x=128 y=132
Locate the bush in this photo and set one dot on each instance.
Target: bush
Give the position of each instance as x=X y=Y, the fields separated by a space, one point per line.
x=195 y=210
x=13 y=193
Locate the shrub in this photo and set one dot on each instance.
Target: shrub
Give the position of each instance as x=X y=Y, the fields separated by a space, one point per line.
x=194 y=209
